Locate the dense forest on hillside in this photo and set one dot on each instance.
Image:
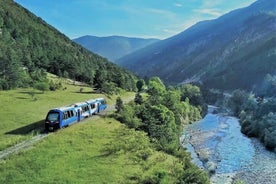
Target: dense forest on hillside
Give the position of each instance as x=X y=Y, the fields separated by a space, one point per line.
x=30 y=47
x=161 y=113
x=257 y=113
x=234 y=51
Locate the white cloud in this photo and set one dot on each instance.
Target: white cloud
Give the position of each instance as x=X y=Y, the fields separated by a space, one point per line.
x=210 y=12
x=178 y=5
x=170 y=31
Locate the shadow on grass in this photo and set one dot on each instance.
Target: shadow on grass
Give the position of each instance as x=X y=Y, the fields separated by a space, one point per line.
x=31 y=92
x=36 y=126
x=86 y=92
x=22 y=98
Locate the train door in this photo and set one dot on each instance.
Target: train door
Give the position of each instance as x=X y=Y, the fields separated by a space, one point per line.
x=79 y=114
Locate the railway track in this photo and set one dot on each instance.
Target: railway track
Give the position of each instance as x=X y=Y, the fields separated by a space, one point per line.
x=30 y=142
x=22 y=146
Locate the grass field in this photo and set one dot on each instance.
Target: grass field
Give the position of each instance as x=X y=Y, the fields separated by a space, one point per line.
x=23 y=110
x=97 y=150
x=79 y=153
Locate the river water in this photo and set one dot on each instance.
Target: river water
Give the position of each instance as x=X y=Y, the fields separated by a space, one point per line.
x=217 y=145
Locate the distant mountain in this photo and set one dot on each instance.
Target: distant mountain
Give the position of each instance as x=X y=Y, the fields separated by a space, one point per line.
x=30 y=47
x=233 y=51
x=113 y=47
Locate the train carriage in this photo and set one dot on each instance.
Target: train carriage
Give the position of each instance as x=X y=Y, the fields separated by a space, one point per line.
x=64 y=116
x=102 y=104
x=93 y=105
x=60 y=117
x=83 y=110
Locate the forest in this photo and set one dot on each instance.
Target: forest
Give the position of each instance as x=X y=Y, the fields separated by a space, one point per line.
x=30 y=48
x=161 y=113
x=257 y=112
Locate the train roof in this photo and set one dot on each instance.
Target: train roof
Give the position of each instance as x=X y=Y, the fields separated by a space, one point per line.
x=100 y=99
x=91 y=101
x=78 y=104
x=63 y=108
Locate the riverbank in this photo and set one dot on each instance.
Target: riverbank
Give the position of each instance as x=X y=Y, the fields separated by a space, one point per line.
x=217 y=145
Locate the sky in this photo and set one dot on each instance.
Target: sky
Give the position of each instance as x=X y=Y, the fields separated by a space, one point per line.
x=132 y=18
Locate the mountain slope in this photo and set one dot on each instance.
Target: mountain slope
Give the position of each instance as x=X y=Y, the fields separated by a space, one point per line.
x=29 y=47
x=113 y=47
x=234 y=51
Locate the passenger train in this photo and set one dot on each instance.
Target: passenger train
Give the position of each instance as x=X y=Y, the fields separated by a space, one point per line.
x=64 y=116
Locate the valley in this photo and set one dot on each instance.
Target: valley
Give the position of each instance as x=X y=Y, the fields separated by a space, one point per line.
x=158 y=127
x=218 y=146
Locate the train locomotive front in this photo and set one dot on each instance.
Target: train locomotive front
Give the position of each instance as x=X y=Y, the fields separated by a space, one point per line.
x=60 y=117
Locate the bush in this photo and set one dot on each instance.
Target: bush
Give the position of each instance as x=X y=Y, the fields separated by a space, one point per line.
x=42 y=86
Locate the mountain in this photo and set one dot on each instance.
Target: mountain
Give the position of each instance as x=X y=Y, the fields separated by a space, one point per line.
x=30 y=47
x=113 y=47
x=233 y=51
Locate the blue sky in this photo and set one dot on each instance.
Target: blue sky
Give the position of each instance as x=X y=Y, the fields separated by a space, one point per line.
x=133 y=18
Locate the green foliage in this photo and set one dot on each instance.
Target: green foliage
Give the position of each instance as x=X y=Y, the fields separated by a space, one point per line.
x=119 y=105
x=156 y=90
x=53 y=86
x=193 y=93
x=140 y=84
x=237 y=101
x=42 y=86
x=193 y=175
x=29 y=46
x=161 y=115
x=138 y=98
x=257 y=116
x=268 y=86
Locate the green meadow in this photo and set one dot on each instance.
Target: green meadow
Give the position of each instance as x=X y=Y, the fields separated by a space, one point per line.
x=97 y=150
x=23 y=111
x=81 y=154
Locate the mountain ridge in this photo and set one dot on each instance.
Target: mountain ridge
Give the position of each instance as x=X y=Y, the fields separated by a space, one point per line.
x=207 y=50
x=113 y=47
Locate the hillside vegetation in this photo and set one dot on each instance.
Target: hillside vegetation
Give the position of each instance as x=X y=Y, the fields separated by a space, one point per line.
x=234 y=51
x=23 y=111
x=257 y=113
x=97 y=150
x=30 y=47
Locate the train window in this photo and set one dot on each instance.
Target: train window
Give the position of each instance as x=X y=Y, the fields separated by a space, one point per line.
x=68 y=114
x=85 y=108
x=53 y=116
x=65 y=115
x=93 y=106
x=71 y=113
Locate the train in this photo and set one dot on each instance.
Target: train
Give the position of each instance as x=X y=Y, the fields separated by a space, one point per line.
x=64 y=116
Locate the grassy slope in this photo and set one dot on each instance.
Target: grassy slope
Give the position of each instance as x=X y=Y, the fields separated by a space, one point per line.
x=74 y=154
x=20 y=110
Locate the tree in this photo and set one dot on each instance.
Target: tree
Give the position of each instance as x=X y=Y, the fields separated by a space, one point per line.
x=139 y=84
x=159 y=123
x=156 y=90
x=138 y=98
x=193 y=93
x=237 y=101
x=119 y=105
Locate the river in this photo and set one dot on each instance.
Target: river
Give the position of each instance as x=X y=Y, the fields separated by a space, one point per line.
x=217 y=145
